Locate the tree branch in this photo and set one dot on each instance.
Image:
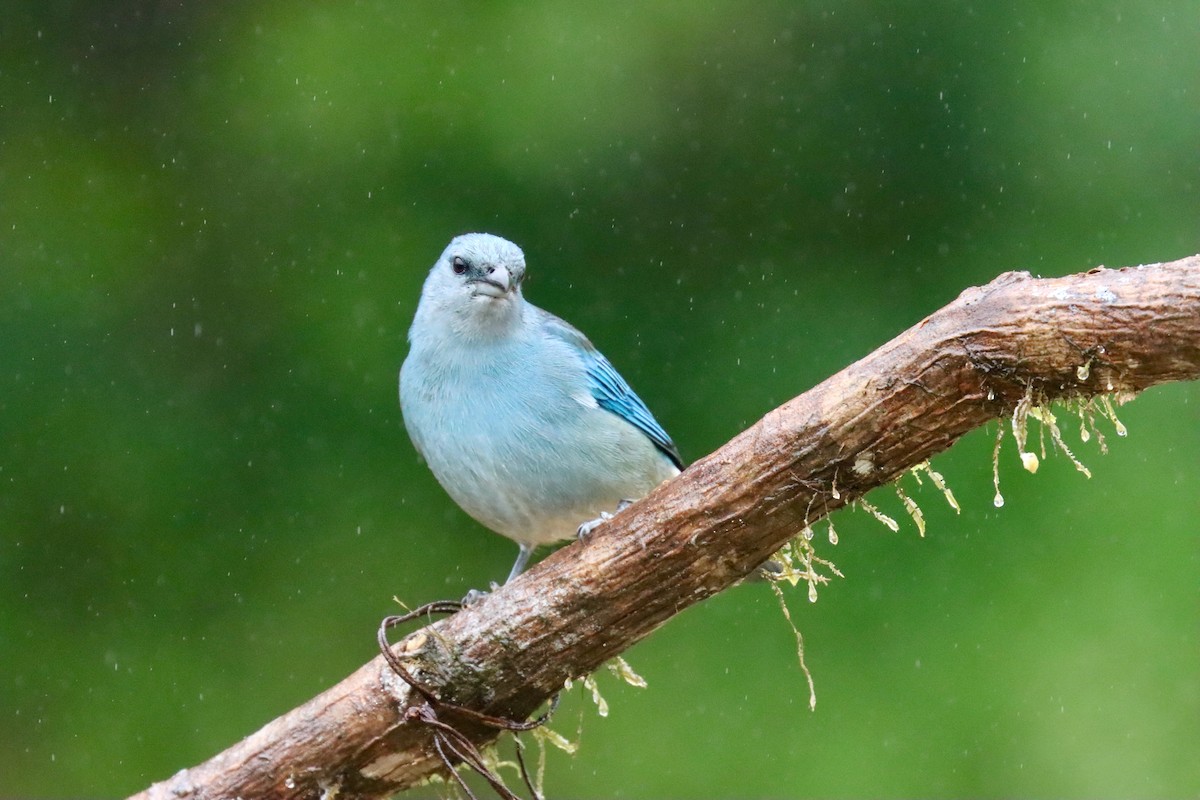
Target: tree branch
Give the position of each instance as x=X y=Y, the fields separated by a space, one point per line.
x=973 y=361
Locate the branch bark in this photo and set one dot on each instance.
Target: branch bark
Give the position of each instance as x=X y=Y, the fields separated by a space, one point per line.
x=973 y=361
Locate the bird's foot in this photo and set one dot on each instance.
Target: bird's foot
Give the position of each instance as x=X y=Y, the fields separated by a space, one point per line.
x=474 y=596
x=586 y=528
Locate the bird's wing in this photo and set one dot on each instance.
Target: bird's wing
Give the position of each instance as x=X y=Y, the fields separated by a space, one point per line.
x=611 y=391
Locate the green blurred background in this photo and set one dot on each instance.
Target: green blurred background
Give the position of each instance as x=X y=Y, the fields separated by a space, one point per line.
x=214 y=223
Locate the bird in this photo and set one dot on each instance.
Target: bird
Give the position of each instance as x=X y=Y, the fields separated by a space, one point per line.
x=524 y=423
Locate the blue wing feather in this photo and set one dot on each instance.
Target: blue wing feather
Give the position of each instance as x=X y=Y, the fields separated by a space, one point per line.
x=611 y=391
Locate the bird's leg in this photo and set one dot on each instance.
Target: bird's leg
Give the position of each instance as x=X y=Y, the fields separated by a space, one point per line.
x=522 y=559
x=586 y=528
x=474 y=596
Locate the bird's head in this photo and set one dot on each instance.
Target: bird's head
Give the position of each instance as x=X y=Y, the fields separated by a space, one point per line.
x=475 y=286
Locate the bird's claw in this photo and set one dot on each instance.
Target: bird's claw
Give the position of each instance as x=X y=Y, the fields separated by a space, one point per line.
x=591 y=525
x=586 y=528
x=475 y=596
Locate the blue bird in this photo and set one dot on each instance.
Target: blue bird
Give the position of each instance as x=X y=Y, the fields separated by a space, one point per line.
x=522 y=421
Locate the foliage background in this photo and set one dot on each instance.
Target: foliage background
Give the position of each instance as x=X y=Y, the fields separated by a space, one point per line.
x=214 y=222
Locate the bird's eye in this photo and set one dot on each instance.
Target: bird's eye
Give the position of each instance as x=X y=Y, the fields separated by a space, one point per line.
x=459 y=265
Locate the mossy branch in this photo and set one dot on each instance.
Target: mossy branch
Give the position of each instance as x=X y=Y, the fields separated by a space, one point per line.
x=977 y=359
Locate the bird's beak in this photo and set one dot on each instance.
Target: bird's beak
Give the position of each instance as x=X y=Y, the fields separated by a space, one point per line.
x=496 y=283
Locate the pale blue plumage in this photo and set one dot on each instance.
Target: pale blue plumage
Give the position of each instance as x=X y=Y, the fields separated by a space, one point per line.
x=523 y=422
